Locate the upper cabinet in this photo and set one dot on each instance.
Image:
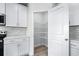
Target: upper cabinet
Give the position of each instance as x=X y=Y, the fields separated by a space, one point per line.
x=16 y=15
x=11 y=14
x=74 y=14
x=2 y=8
x=22 y=15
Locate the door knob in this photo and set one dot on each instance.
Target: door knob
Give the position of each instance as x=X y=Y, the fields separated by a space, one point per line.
x=66 y=39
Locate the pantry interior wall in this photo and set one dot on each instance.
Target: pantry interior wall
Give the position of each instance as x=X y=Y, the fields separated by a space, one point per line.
x=40 y=29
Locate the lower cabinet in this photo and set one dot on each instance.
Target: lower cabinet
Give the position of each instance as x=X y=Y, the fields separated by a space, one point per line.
x=22 y=48
x=10 y=50
x=19 y=48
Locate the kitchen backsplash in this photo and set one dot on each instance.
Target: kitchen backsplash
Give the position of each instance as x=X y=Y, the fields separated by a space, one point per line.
x=16 y=31
x=74 y=32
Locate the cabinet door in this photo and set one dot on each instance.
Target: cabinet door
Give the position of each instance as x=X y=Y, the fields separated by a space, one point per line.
x=74 y=14
x=22 y=15
x=23 y=48
x=10 y=50
x=2 y=8
x=11 y=14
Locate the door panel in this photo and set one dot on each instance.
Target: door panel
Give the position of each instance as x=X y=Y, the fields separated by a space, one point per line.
x=10 y=50
x=23 y=48
x=58 y=31
x=11 y=14
x=2 y=8
x=22 y=15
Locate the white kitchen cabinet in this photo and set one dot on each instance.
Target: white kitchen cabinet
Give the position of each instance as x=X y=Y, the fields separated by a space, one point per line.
x=22 y=15
x=11 y=14
x=74 y=14
x=22 y=48
x=2 y=8
x=16 y=47
x=16 y=15
x=74 y=52
x=10 y=50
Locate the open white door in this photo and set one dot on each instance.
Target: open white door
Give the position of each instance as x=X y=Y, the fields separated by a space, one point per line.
x=58 y=31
